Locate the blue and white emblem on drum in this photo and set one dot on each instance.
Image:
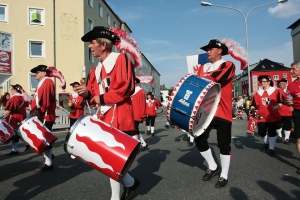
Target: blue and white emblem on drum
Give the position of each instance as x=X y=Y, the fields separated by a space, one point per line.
x=193 y=103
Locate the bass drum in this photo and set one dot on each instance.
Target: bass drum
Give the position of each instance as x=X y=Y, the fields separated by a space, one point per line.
x=101 y=146
x=6 y=132
x=193 y=104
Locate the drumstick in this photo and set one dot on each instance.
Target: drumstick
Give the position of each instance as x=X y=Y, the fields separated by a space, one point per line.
x=87 y=103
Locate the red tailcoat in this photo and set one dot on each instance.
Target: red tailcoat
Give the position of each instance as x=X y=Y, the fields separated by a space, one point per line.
x=16 y=105
x=116 y=84
x=44 y=100
x=221 y=72
x=139 y=104
x=264 y=101
x=151 y=106
x=294 y=89
x=78 y=106
x=285 y=110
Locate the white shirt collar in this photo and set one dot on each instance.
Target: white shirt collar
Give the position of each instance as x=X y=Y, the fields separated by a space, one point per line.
x=208 y=67
x=269 y=91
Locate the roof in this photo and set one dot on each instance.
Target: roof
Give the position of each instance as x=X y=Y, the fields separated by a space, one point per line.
x=295 y=24
x=268 y=65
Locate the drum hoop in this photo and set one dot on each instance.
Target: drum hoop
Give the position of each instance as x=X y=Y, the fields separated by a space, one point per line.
x=77 y=122
x=206 y=89
x=174 y=93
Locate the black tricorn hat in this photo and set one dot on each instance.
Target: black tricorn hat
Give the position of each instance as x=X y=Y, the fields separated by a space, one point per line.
x=216 y=44
x=100 y=32
x=149 y=93
x=75 y=83
x=137 y=80
x=17 y=87
x=266 y=77
x=282 y=80
x=41 y=68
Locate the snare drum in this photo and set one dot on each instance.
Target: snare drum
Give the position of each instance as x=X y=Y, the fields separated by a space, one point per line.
x=101 y=146
x=6 y=131
x=193 y=104
x=36 y=135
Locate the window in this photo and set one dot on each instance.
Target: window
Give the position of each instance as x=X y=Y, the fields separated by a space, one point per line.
x=284 y=75
x=115 y=24
x=36 y=49
x=90 y=3
x=90 y=24
x=32 y=82
x=3 y=13
x=100 y=10
x=36 y=16
x=91 y=58
x=276 y=77
x=108 y=19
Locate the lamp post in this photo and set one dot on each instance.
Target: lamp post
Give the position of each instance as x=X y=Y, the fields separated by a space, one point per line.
x=203 y=3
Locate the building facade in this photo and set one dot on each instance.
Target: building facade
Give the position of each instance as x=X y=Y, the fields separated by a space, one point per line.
x=295 y=33
x=49 y=32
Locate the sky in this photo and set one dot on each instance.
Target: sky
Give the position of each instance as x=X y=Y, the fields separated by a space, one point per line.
x=169 y=30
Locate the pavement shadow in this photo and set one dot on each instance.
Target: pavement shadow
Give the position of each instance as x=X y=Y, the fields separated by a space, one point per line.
x=248 y=141
x=282 y=153
x=38 y=183
x=148 y=164
x=292 y=180
x=238 y=194
x=275 y=191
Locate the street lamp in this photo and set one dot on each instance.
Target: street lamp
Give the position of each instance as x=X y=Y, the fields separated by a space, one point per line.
x=203 y=3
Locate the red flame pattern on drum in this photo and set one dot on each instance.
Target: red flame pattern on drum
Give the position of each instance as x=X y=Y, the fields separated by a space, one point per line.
x=6 y=132
x=47 y=134
x=35 y=142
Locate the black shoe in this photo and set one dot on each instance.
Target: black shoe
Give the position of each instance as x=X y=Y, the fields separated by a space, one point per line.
x=221 y=182
x=265 y=148
x=286 y=142
x=13 y=153
x=167 y=126
x=152 y=134
x=209 y=174
x=27 y=147
x=271 y=152
x=44 y=167
x=148 y=132
x=279 y=139
x=52 y=157
x=144 y=148
x=128 y=191
x=298 y=171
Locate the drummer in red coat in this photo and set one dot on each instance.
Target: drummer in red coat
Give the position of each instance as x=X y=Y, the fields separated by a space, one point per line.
x=286 y=113
x=15 y=113
x=43 y=106
x=266 y=101
x=222 y=72
x=152 y=105
x=139 y=104
x=110 y=85
x=76 y=103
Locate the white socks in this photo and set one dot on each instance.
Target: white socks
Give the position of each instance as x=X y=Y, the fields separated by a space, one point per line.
x=128 y=180
x=135 y=137
x=207 y=155
x=287 y=135
x=225 y=162
x=115 y=189
x=143 y=143
x=279 y=132
x=191 y=138
x=152 y=129
x=15 y=147
x=148 y=128
x=272 y=142
x=48 y=157
x=265 y=139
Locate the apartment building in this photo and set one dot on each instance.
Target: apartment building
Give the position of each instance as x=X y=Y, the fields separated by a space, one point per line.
x=49 y=32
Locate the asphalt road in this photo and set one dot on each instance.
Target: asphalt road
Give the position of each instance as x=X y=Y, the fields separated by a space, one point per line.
x=169 y=169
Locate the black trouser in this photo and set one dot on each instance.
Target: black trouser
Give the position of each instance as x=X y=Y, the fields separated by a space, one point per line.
x=72 y=121
x=49 y=126
x=223 y=137
x=262 y=128
x=296 y=118
x=150 y=119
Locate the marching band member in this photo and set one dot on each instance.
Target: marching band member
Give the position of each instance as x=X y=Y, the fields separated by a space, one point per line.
x=15 y=113
x=77 y=103
x=266 y=101
x=286 y=113
x=44 y=104
x=152 y=105
x=294 y=100
x=139 y=104
x=222 y=72
x=110 y=85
